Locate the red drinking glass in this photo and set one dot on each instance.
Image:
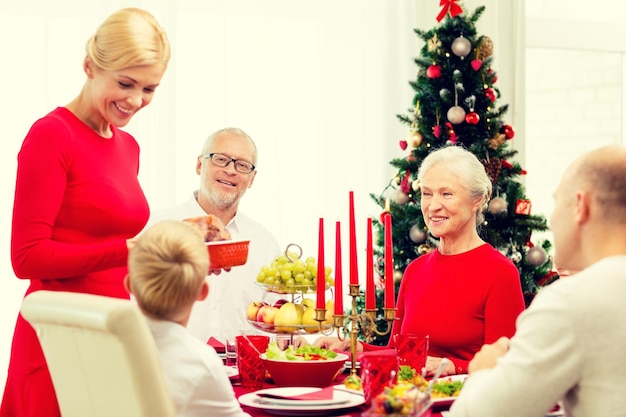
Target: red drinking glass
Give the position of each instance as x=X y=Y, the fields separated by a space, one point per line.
x=378 y=370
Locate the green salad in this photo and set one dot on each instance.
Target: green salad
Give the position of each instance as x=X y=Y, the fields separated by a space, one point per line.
x=303 y=353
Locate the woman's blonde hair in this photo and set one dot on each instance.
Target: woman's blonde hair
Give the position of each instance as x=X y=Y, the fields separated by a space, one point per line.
x=167 y=267
x=467 y=167
x=129 y=37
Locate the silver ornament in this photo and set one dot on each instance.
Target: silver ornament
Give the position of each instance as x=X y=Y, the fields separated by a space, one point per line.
x=417 y=234
x=415 y=185
x=456 y=115
x=461 y=47
x=401 y=198
x=516 y=257
x=497 y=205
x=536 y=256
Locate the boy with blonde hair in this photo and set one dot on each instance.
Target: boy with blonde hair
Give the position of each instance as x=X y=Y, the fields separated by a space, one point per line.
x=167 y=271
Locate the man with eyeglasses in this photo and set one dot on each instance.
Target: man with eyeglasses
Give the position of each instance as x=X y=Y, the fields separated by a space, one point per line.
x=227 y=168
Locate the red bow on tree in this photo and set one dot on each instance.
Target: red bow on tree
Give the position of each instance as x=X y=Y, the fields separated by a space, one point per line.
x=449 y=6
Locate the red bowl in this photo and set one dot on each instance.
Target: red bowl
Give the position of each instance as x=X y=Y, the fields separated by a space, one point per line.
x=227 y=253
x=317 y=373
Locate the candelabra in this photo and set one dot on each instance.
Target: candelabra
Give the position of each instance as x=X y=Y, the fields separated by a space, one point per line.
x=363 y=323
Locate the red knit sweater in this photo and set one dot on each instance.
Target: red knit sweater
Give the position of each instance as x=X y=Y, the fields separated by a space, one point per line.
x=460 y=301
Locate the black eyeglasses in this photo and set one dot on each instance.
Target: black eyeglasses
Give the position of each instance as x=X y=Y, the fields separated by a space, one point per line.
x=222 y=160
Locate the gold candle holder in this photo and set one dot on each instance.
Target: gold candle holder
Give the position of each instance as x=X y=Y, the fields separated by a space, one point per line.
x=363 y=323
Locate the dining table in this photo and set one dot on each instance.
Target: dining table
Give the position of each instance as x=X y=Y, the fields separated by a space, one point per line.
x=344 y=412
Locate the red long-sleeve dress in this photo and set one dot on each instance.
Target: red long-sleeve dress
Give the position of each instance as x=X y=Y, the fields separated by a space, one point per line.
x=460 y=301
x=77 y=200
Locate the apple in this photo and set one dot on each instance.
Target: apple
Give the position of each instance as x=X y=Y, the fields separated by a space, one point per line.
x=253 y=309
x=267 y=314
x=279 y=303
x=289 y=318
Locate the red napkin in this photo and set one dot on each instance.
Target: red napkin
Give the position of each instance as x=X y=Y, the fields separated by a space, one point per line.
x=322 y=394
x=216 y=344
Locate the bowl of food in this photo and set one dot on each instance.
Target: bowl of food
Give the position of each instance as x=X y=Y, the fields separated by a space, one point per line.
x=224 y=252
x=227 y=253
x=306 y=366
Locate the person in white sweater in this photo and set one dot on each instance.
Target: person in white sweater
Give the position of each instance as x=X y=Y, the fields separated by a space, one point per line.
x=226 y=168
x=569 y=345
x=166 y=275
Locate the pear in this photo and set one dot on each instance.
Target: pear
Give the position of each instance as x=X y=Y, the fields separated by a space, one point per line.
x=288 y=318
x=308 y=321
x=330 y=310
x=308 y=302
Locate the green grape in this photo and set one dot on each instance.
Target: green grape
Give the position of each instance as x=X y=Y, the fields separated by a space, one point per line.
x=285 y=274
x=260 y=277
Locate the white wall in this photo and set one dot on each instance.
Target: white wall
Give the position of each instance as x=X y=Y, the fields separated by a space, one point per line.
x=317 y=84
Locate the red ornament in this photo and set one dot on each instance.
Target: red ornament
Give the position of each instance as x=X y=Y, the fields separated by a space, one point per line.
x=492 y=74
x=404 y=184
x=403 y=144
x=472 y=118
x=522 y=207
x=508 y=131
x=506 y=164
x=491 y=94
x=476 y=64
x=434 y=71
x=437 y=131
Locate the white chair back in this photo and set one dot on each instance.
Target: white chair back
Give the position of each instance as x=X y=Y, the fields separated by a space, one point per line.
x=101 y=355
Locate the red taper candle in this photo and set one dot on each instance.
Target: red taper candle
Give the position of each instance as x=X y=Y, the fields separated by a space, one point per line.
x=370 y=291
x=321 y=276
x=338 y=277
x=389 y=285
x=354 y=274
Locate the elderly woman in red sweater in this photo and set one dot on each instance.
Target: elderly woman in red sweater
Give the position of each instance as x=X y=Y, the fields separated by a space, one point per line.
x=464 y=293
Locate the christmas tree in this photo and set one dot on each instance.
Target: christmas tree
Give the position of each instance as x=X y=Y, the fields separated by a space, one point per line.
x=455 y=104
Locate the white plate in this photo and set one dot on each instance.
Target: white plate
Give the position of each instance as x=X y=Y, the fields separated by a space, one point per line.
x=447 y=401
x=341 y=399
x=231 y=371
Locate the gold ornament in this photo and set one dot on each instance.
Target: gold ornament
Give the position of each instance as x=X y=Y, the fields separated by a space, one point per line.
x=416 y=138
x=415 y=185
x=484 y=48
x=497 y=141
x=424 y=249
x=434 y=44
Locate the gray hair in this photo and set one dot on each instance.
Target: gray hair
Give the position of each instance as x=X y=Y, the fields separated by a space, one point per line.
x=235 y=131
x=467 y=167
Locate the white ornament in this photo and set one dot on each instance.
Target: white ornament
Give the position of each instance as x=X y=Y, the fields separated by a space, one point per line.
x=461 y=47
x=401 y=198
x=456 y=115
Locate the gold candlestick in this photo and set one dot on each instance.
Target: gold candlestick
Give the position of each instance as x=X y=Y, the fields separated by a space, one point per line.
x=361 y=324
